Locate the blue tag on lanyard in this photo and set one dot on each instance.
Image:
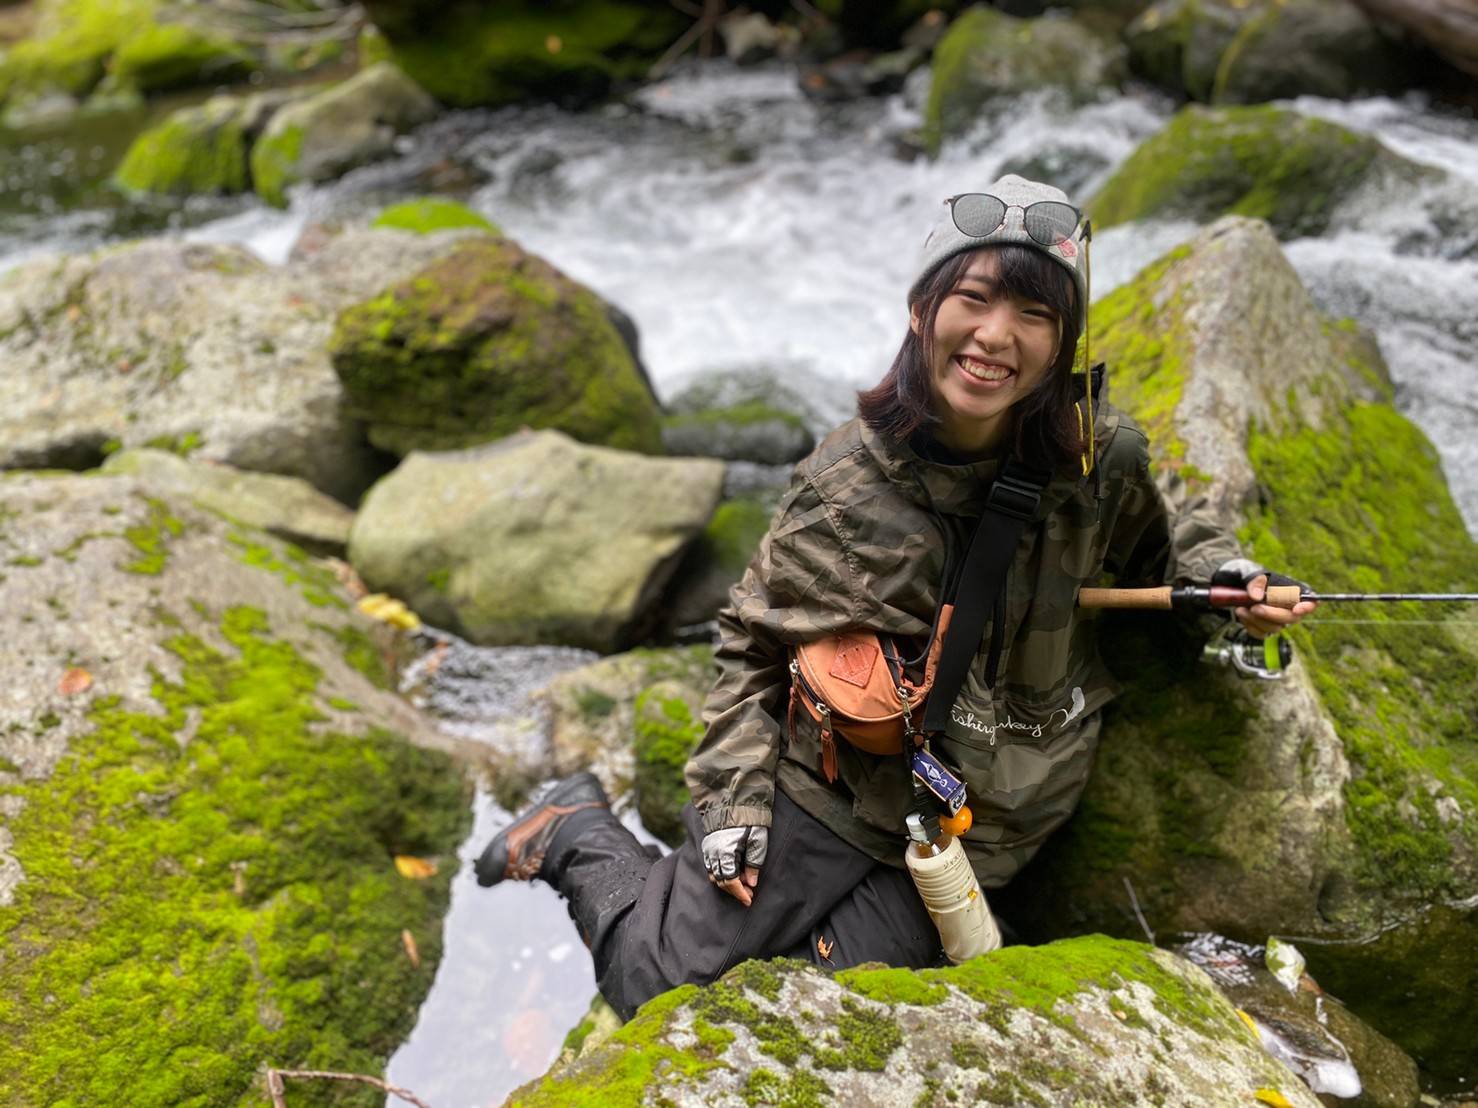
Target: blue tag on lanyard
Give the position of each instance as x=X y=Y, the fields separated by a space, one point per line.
x=930 y=772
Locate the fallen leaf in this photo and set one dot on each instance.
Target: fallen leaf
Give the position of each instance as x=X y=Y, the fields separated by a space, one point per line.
x=412 y=952
x=1248 y=1020
x=554 y=44
x=75 y=680
x=417 y=869
x=1273 y=1097
x=823 y=947
x=74 y=312
x=387 y=609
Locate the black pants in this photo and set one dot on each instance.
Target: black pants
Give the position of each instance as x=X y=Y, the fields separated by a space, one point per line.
x=652 y=925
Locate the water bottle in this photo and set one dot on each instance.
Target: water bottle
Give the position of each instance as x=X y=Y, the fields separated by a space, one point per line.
x=947 y=884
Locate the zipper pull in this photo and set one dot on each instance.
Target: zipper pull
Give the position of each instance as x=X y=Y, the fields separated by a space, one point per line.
x=828 y=746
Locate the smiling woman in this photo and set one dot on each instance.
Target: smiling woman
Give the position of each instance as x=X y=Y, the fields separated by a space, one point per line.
x=981 y=437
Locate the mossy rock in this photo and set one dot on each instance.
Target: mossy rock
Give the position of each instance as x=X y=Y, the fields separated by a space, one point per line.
x=204 y=799
x=71 y=46
x=668 y=723
x=1342 y=799
x=485 y=341
x=431 y=214
x=1308 y=48
x=1264 y=162
x=176 y=55
x=195 y=150
x=986 y=55
x=1086 y=1021
x=595 y=721
x=468 y=54
x=719 y=557
x=322 y=136
x=1223 y=51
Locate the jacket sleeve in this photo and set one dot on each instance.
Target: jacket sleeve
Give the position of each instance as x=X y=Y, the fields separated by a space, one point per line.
x=798 y=587
x=1154 y=543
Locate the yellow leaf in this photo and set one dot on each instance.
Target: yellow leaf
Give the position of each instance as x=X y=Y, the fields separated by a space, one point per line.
x=417 y=869
x=1248 y=1020
x=387 y=609
x=408 y=941
x=1274 y=1097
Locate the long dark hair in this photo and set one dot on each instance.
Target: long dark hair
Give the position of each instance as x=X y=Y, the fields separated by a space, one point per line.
x=1045 y=429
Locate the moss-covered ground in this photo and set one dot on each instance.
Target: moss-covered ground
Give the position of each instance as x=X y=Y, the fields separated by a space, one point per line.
x=210 y=890
x=1265 y=162
x=667 y=733
x=274 y=163
x=196 y=150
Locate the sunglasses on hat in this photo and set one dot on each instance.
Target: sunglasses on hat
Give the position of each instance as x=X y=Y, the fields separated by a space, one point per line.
x=980 y=215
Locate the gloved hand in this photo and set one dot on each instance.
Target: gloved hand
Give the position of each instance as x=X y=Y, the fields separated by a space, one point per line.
x=1261 y=620
x=733 y=857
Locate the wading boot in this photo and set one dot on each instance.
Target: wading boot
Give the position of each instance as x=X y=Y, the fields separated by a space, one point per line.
x=518 y=852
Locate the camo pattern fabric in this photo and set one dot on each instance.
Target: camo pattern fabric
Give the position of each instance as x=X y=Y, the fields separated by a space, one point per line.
x=862 y=540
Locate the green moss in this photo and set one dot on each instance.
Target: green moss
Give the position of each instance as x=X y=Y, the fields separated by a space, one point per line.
x=666 y=736
x=420 y=364
x=798 y=1090
x=1265 y=162
x=175 y=55
x=339 y=704
x=25 y=560
x=867 y=1037
x=431 y=214
x=439 y=579
x=363 y=655
x=593 y=703
x=72 y=48
x=275 y=163
x=495 y=54
x=763 y=978
x=892 y=986
x=317 y=585
x=151 y=538
x=196 y=910
x=733 y=534
x=1361 y=505
x=1143 y=342
x=183 y=445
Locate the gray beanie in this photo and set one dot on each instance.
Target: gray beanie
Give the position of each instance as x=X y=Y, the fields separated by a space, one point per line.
x=946 y=240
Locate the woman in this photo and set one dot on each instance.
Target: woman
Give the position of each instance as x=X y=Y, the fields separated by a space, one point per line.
x=803 y=836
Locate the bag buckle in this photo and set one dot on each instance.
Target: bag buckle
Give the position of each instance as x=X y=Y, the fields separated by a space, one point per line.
x=1014 y=494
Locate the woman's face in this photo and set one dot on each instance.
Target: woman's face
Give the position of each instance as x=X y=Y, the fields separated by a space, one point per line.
x=990 y=351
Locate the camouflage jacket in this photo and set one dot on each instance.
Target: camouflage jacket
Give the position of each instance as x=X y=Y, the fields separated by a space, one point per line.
x=860 y=541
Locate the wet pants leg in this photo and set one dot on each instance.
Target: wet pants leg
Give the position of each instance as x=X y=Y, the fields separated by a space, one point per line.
x=653 y=925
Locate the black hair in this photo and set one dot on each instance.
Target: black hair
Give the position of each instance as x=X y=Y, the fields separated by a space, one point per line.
x=1045 y=430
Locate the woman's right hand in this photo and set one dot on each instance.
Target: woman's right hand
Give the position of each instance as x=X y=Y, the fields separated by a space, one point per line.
x=733 y=857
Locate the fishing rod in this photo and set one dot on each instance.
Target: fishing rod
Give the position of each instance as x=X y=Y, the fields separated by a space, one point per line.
x=1266 y=659
x=1202 y=598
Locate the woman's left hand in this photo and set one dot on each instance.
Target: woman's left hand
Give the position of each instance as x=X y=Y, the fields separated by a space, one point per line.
x=1262 y=620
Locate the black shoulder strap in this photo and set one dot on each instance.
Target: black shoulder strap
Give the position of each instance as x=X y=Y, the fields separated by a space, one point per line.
x=1011 y=505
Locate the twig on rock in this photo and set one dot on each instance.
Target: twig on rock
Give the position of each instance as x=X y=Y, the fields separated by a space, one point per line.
x=1134 y=902
x=276 y=1090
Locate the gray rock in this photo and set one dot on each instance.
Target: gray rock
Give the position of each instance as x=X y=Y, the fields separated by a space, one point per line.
x=533 y=539
x=986 y=55
x=287 y=507
x=739 y=415
x=321 y=137
x=1094 y=1022
x=161 y=340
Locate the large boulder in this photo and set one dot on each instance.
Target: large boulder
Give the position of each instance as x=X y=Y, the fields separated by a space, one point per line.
x=322 y=136
x=987 y=55
x=287 y=507
x=1235 y=51
x=1089 y=1021
x=165 y=341
x=1449 y=27
x=740 y=416
x=1297 y=173
x=534 y=539
x=206 y=785
x=468 y=54
x=1344 y=798
x=485 y=340
x=1308 y=48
